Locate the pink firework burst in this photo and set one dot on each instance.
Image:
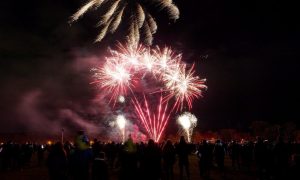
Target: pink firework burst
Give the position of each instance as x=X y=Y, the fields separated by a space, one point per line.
x=130 y=64
x=154 y=123
x=183 y=86
x=114 y=77
x=166 y=60
x=129 y=55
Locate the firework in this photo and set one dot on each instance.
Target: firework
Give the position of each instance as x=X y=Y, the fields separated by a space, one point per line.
x=187 y=121
x=114 y=77
x=130 y=64
x=154 y=124
x=129 y=55
x=132 y=11
x=121 y=122
x=166 y=59
x=184 y=86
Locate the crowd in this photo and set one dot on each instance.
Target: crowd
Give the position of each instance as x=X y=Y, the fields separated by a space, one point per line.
x=152 y=161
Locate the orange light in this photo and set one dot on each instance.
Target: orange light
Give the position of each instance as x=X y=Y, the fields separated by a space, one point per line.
x=49 y=142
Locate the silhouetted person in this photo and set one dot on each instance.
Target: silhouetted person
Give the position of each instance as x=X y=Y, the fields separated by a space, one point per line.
x=111 y=150
x=128 y=160
x=81 y=157
x=203 y=154
x=152 y=161
x=247 y=154
x=169 y=157
x=57 y=162
x=260 y=153
x=294 y=169
x=235 y=154
x=281 y=154
x=96 y=147
x=40 y=154
x=183 y=157
x=219 y=152
x=100 y=167
x=68 y=147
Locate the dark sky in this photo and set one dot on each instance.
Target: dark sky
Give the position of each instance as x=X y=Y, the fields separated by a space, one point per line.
x=248 y=51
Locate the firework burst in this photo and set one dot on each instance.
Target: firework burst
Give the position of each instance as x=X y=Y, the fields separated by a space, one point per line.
x=188 y=122
x=166 y=60
x=114 y=12
x=130 y=64
x=184 y=86
x=130 y=55
x=115 y=77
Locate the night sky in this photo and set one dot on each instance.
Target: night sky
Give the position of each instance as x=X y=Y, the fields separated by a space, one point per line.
x=247 y=50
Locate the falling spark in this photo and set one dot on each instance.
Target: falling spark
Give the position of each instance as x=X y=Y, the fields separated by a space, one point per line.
x=188 y=122
x=136 y=14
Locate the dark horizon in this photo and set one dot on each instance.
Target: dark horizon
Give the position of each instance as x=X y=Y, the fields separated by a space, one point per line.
x=248 y=51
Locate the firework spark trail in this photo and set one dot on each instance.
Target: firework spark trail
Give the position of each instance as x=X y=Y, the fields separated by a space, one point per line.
x=85 y=8
x=142 y=117
x=139 y=17
x=188 y=122
x=154 y=125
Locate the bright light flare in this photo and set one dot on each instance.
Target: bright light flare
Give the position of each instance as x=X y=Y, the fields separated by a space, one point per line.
x=184 y=122
x=121 y=99
x=154 y=123
x=187 y=121
x=121 y=122
x=49 y=142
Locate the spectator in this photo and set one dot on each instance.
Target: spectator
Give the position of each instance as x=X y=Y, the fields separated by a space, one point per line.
x=81 y=157
x=169 y=157
x=219 y=152
x=183 y=153
x=57 y=163
x=100 y=167
x=152 y=161
x=128 y=160
x=204 y=159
